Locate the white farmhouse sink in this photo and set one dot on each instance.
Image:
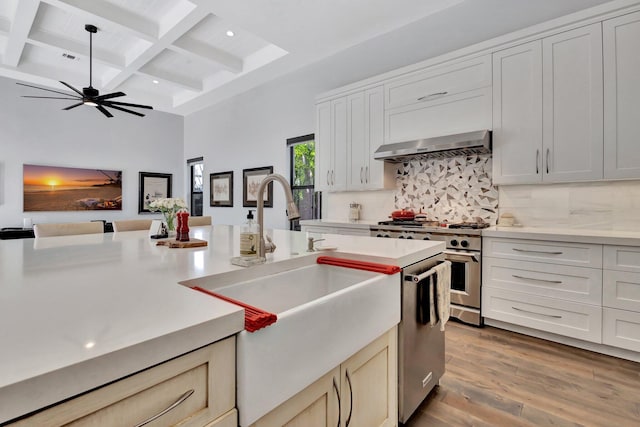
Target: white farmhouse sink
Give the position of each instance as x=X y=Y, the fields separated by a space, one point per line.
x=325 y=315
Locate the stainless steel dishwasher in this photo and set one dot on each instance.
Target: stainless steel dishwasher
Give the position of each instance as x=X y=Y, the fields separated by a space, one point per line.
x=420 y=347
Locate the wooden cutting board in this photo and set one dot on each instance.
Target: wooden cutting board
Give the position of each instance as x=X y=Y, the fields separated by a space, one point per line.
x=192 y=243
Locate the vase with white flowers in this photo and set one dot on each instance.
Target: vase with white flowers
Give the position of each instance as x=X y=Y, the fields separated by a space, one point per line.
x=169 y=207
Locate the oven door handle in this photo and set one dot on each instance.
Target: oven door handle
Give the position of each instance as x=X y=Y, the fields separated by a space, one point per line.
x=461 y=256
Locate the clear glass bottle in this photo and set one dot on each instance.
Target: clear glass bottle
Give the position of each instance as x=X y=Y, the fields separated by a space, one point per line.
x=249 y=237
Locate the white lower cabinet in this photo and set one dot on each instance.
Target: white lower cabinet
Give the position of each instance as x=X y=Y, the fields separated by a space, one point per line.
x=197 y=389
x=549 y=286
x=621 y=299
x=362 y=391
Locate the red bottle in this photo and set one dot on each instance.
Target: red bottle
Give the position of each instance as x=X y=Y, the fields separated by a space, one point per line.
x=182 y=230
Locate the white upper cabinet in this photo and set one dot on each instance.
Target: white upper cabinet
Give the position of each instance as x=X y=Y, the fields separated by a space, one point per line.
x=517 y=114
x=572 y=105
x=331 y=145
x=547 y=112
x=621 y=97
x=439 y=100
x=349 y=130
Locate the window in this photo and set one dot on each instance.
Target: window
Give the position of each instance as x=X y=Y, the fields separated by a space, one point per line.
x=302 y=155
x=196 y=171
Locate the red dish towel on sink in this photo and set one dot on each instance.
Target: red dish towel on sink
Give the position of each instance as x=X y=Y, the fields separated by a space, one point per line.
x=254 y=318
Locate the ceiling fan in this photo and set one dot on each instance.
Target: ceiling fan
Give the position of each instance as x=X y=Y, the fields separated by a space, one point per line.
x=90 y=96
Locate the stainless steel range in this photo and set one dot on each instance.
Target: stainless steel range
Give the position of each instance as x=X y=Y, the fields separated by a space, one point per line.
x=463 y=249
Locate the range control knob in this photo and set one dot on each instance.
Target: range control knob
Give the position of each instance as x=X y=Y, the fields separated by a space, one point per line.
x=379 y=235
x=426 y=238
x=453 y=242
x=464 y=243
x=409 y=237
x=400 y=237
x=387 y=236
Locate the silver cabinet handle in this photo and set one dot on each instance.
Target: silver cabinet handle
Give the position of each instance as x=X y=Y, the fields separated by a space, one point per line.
x=537 y=252
x=350 y=398
x=335 y=387
x=554 y=316
x=333 y=177
x=539 y=280
x=327 y=177
x=423 y=98
x=547 y=161
x=537 y=162
x=366 y=174
x=174 y=405
x=361 y=170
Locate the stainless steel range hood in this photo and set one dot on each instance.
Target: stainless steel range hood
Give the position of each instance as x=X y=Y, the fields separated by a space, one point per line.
x=478 y=142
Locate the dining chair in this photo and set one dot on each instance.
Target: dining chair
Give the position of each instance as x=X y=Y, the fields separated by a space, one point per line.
x=195 y=221
x=131 y=224
x=67 y=229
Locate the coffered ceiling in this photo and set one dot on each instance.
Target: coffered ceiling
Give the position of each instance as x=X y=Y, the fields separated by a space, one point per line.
x=176 y=54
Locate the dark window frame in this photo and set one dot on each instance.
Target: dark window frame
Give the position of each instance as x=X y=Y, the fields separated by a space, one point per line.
x=291 y=142
x=191 y=163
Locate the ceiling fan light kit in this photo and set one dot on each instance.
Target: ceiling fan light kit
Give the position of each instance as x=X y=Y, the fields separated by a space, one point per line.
x=90 y=96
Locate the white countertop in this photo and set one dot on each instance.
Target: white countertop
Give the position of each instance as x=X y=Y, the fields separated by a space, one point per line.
x=80 y=311
x=577 y=235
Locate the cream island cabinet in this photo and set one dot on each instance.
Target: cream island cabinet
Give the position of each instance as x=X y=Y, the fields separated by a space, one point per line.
x=362 y=391
x=573 y=286
x=126 y=337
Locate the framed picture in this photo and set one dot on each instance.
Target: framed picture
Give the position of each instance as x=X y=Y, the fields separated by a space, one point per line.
x=55 y=188
x=251 y=179
x=152 y=186
x=221 y=189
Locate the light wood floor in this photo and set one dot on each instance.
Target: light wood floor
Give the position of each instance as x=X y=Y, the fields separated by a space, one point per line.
x=499 y=378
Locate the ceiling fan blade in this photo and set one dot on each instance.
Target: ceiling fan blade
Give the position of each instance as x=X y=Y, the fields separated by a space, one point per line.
x=126 y=110
x=51 y=97
x=109 y=95
x=73 y=106
x=126 y=104
x=104 y=111
x=48 y=90
x=72 y=88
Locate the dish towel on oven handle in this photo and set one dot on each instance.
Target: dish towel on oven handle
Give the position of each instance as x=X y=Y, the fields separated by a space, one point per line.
x=442 y=298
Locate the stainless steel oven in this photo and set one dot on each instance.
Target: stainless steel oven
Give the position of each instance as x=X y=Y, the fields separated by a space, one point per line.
x=463 y=249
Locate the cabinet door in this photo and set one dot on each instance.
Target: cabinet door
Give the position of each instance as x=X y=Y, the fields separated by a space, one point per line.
x=323 y=146
x=369 y=384
x=374 y=173
x=517 y=114
x=572 y=105
x=338 y=174
x=621 y=95
x=316 y=406
x=356 y=140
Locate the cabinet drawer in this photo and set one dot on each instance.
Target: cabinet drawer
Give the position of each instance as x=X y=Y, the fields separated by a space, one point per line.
x=433 y=83
x=621 y=289
x=621 y=328
x=576 y=254
x=208 y=372
x=581 y=321
x=625 y=258
x=579 y=284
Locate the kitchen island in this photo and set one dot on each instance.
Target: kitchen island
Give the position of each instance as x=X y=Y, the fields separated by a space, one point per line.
x=78 y=312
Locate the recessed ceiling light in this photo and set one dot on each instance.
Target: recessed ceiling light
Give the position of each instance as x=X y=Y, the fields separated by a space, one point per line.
x=230 y=33
x=156 y=81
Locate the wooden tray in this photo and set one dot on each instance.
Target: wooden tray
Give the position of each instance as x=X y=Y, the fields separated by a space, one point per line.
x=192 y=243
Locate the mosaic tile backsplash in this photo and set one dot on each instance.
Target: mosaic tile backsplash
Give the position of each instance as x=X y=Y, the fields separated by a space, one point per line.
x=454 y=189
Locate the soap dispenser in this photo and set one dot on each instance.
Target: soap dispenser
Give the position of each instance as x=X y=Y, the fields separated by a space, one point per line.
x=249 y=237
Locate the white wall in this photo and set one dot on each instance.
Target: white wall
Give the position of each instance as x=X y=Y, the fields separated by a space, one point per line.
x=37 y=131
x=248 y=131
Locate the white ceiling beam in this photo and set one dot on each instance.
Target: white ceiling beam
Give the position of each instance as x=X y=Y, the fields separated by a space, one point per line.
x=130 y=23
x=50 y=40
x=26 y=11
x=193 y=48
x=169 y=37
x=182 y=81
